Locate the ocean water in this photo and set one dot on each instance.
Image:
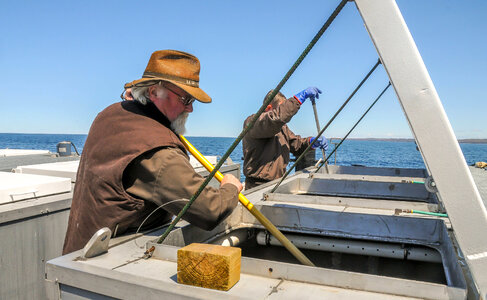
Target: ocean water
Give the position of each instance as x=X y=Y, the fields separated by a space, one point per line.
x=351 y=152
x=40 y=141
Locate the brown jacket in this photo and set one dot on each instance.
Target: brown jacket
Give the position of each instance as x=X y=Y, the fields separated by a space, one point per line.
x=267 y=145
x=117 y=158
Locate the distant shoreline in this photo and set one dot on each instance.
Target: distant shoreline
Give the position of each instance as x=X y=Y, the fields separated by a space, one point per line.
x=463 y=141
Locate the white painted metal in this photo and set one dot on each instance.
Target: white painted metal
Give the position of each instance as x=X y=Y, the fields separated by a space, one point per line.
x=432 y=130
x=18 y=152
x=121 y=273
x=196 y=164
x=16 y=187
x=232 y=240
x=156 y=277
x=59 y=169
x=98 y=244
x=351 y=202
x=32 y=231
x=374 y=171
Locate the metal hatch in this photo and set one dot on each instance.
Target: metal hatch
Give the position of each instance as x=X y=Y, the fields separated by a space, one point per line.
x=67 y=169
x=266 y=267
x=17 y=187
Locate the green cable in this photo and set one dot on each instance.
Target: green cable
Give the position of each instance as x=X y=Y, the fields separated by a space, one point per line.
x=324 y=128
x=412 y=181
x=429 y=213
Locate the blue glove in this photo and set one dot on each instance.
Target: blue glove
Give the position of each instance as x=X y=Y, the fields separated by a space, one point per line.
x=311 y=92
x=320 y=143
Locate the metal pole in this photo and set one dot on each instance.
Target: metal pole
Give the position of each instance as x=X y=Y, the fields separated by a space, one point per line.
x=313 y=102
x=250 y=207
x=327 y=124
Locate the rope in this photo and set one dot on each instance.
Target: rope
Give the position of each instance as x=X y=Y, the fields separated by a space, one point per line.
x=326 y=126
x=344 y=138
x=254 y=119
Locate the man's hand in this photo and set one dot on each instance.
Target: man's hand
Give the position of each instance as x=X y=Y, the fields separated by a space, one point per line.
x=320 y=143
x=311 y=92
x=229 y=178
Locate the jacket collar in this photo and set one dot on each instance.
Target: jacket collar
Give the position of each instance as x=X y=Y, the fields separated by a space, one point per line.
x=149 y=110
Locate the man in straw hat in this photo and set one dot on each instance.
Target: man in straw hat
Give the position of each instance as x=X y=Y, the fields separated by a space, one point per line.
x=267 y=145
x=133 y=161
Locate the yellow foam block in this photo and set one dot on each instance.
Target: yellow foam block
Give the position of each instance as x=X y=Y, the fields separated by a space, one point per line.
x=209 y=266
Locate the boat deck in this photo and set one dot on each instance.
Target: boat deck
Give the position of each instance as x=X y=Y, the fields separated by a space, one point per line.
x=298 y=208
x=8 y=163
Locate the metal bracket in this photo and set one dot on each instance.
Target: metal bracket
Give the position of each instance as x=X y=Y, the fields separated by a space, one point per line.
x=98 y=244
x=430 y=185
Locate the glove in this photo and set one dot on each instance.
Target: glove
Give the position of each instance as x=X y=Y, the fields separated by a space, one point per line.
x=311 y=92
x=320 y=143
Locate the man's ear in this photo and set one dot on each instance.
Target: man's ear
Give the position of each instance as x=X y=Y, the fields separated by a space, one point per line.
x=152 y=92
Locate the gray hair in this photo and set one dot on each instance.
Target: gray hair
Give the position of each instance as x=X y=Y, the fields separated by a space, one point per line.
x=141 y=94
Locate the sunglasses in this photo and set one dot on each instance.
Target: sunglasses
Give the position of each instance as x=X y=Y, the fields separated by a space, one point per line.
x=186 y=100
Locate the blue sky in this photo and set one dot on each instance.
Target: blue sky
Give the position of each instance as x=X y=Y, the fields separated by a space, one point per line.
x=64 y=61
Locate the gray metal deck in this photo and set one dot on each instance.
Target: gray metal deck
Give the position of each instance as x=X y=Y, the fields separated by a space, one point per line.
x=32 y=230
x=268 y=278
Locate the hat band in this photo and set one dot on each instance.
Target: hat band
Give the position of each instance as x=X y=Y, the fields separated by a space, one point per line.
x=185 y=81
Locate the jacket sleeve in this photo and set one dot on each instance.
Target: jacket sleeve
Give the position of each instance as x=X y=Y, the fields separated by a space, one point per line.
x=165 y=177
x=297 y=144
x=270 y=123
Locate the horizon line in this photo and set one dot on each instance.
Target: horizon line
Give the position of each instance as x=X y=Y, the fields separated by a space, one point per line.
x=352 y=138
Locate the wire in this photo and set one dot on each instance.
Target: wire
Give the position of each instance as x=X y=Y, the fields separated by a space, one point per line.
x=254 y=119
x=328 y=124
x=162 y=205
x=345 y=137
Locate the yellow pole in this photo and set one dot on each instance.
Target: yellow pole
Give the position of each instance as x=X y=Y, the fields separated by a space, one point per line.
x=250 y=207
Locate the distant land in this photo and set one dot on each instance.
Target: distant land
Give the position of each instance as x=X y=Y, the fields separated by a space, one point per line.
x=464 y=141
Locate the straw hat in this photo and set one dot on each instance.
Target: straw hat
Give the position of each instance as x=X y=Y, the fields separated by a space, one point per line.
x=177 y=67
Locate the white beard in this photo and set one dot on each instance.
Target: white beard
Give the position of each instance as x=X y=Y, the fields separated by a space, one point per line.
x=178 y=125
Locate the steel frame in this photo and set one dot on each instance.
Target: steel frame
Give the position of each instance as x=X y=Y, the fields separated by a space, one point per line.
x=431 y=128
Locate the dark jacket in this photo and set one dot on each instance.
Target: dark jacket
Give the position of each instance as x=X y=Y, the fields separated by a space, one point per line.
x=123 y=137
x=267 y=145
